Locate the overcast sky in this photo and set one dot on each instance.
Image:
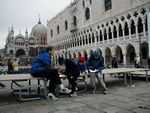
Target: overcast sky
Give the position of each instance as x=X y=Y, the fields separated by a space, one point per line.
x=25 y=13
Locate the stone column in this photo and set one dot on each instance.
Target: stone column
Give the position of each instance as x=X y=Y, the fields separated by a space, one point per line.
x=107 y=36
x=129 y=31
x=123 y=33
x=95 y=38
x=144 y=28
x=117 y=33
x=136 y=27
x=112 y=33
x=124 y=59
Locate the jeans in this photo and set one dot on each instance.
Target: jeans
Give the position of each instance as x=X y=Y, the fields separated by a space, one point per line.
x=100 y=80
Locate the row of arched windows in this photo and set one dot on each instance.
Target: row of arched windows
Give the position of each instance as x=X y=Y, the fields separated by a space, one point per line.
x=105 y=35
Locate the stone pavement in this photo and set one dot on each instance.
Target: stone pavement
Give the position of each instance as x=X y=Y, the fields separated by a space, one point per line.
x=120 y=99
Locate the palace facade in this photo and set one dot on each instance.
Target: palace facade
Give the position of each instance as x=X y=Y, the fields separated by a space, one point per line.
x=115 y=27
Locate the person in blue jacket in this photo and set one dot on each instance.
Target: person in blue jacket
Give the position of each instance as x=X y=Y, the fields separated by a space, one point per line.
x=81 y=65
x=95 y=64
x=42 y=67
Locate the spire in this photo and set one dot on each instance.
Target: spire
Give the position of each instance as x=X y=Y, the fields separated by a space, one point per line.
x=12 y=29
x=26 y=30
x=39 y=20
x=26 y=33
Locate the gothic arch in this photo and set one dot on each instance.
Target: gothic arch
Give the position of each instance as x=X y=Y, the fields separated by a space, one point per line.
x=20 y=52
x=130 y=54
x=85 y=55
x=144 y=50
x=107 y=56
x=118 y=54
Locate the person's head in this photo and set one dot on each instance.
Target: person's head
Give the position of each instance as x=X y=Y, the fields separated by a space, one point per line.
x=61 y=60
x=50 y=50
x=81 y=60
x=96 y=54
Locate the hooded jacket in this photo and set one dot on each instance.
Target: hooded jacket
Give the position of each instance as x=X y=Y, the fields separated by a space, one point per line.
x=81 y=67
x=41 y=62
x=93 y=63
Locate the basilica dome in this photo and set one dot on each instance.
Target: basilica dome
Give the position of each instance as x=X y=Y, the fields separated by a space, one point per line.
x=39 y=29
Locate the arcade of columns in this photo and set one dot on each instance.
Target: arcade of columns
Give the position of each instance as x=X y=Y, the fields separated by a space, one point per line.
x=124 y=36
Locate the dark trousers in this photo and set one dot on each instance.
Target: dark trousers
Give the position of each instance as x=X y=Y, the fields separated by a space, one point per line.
x=52 y=75
x=73 y=82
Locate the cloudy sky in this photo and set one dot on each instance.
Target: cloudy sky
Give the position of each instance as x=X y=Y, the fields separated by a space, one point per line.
x=25 y=13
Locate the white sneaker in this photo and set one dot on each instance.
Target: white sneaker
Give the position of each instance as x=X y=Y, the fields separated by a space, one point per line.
x=52 y=96
x=74 y=94
x=105 y=92
x=65 y=90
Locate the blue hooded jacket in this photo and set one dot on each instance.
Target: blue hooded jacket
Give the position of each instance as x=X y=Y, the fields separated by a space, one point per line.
x=81 y=67
x=41 y=62
x=93 y=63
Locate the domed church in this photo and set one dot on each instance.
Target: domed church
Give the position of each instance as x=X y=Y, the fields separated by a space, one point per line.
x=25 y=47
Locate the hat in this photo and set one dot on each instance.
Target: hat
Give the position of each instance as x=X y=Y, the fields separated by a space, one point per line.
x=81 y=59
x=96 y=53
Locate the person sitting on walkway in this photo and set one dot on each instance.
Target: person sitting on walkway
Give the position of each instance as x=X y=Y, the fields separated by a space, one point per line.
x=95 y=64
x=81 y=65
x=72 y=72
x=41 y=67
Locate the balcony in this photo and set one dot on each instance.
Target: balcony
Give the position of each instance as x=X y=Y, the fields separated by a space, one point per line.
x=73 y=29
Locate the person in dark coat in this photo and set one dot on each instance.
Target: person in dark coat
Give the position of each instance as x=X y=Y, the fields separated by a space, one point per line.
x=41 y=67
x=114 y=62
x=95 y=64
x=10 y=66
x=72 y=72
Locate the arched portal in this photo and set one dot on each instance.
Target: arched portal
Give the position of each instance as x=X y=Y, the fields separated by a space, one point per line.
x=79 y=54
x=144 y=51
x=107 y=56
x=85 y=56
x=119 y=54
x=20 y=52
x=130 y=54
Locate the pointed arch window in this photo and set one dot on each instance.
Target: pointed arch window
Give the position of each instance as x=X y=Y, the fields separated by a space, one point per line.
x=140 y=25
x=90 y=1
x=108 y=4
x=132 y=27
x=74 y=21
x=87 y=14
x=120 y=31
x=57 y=29
x=105 y=34
x=83 y=3
x=110 y=34
x=115 y=32
x=126 y=29
x=51 y=33
x=66 y=25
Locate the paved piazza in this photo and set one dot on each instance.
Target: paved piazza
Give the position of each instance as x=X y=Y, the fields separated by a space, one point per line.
x=120 y=99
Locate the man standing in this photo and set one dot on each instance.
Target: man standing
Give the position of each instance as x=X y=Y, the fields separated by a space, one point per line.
x=41 y=67
x=95 y=64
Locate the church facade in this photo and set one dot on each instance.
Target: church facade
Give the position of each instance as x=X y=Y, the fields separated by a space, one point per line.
x=115 y=27
x=25 y=47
